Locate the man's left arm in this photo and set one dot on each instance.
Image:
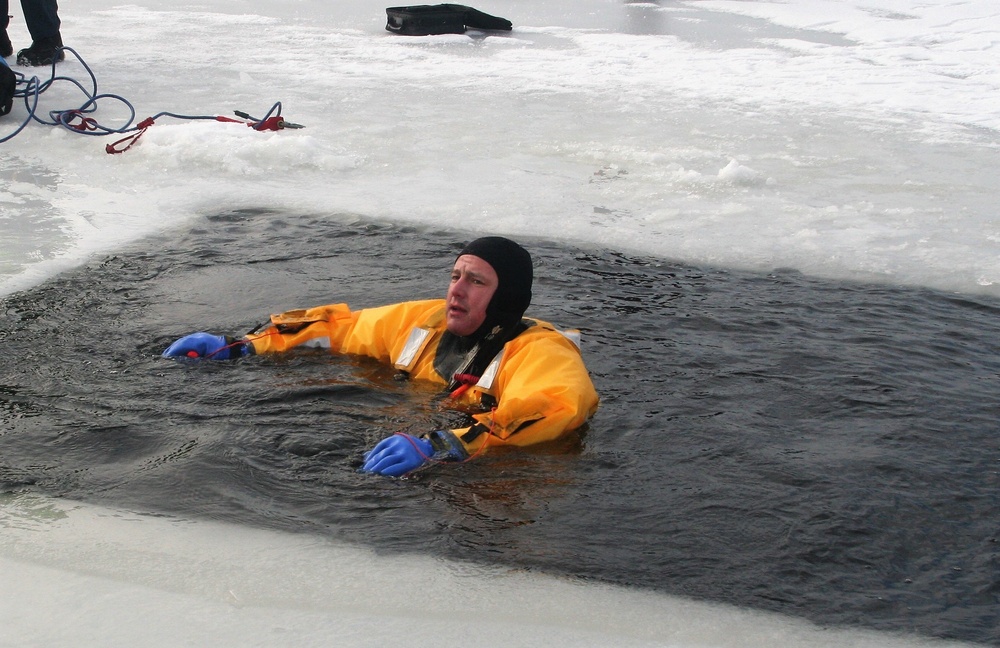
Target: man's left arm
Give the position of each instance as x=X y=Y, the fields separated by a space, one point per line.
x=543 y=390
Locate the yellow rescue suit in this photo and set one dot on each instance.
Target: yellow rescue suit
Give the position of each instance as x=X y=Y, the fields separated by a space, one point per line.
x=537 y=387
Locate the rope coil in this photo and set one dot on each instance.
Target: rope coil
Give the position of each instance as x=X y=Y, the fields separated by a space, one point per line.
x=78 y=120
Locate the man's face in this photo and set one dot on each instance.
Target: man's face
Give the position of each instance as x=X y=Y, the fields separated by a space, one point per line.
x=473 y=282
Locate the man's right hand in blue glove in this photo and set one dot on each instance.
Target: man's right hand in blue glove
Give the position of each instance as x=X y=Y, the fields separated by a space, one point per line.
x=397 y=455
x=205 y=345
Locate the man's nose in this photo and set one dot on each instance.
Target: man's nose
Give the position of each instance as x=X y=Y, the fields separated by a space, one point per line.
x=461 y=286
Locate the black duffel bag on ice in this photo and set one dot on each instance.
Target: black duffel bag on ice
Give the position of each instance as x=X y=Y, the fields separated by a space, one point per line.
x=424 y=20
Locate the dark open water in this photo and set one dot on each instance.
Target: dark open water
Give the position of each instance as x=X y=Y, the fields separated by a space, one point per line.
x=820 y=449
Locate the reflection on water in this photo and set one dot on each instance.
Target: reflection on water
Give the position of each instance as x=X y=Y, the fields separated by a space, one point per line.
x=713 y=29
x=31 y=229
x=773 y=441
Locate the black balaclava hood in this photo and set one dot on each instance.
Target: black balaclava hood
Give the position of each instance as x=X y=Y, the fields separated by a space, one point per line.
x=512 y=264
x=470 y=355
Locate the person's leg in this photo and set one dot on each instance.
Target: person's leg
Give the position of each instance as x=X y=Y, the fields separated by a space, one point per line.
x=6 y=49
x=42 y=19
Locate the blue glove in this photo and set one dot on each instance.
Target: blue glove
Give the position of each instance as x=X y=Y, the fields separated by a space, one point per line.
x=398 y=455
x=204 y=345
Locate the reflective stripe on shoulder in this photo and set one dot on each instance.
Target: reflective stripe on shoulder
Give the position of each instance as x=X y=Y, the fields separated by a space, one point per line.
x=316 y=343
x=490 y=374
x=411 y=350
x=486 y=380
x=573 y=335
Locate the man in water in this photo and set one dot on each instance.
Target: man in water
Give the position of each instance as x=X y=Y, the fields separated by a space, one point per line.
x=524 y=379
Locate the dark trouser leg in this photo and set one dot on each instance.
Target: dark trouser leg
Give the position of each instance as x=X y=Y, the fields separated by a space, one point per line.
x=6 y=49
x=42 y=18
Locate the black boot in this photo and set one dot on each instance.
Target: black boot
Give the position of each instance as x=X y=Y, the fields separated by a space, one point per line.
x=6 y=49
x=43 y=51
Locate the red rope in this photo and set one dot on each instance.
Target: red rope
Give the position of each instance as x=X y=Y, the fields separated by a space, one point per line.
x=271 y=123
x=466 y=381
x=86 y=123
x=274 y=123
x=240 y=342
x=131 y=139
